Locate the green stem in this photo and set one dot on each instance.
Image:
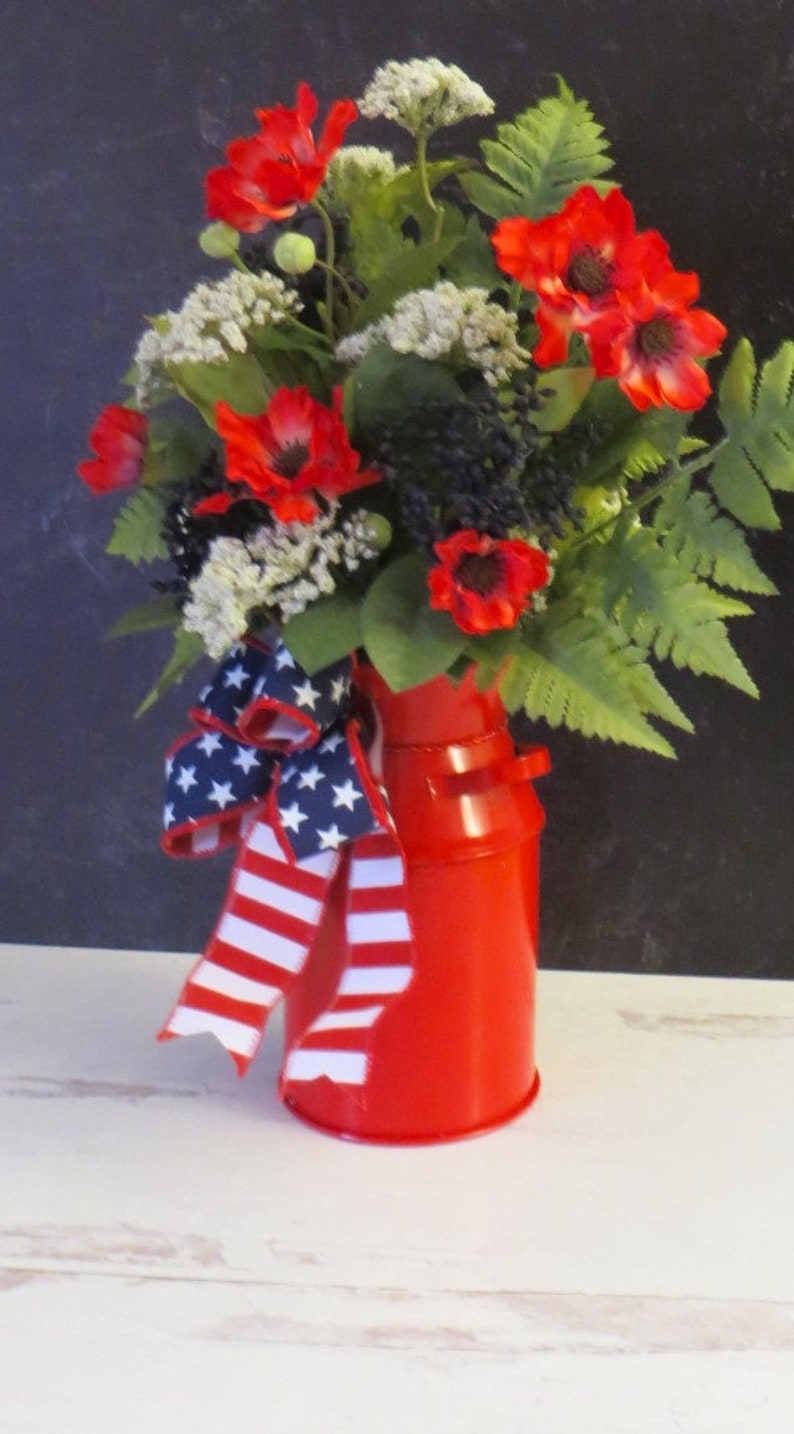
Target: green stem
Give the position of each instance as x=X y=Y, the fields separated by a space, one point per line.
x=421 y=167
x=681 y=470
x=290 y=318
x=350 y=296
x=330 y=256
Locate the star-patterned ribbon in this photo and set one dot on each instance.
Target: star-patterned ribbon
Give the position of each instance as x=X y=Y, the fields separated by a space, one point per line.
x=276 y=766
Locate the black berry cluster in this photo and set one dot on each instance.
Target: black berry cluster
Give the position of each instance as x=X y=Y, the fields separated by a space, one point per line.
x=481 y=463
x=188 y=535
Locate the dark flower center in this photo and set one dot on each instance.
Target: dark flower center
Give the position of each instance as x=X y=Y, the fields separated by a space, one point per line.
x=481 y=573
x=290 y=460
x=589 y=272
x=656 y=338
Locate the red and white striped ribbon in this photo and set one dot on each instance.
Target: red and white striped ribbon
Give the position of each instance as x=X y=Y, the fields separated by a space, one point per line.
x=259 y=947
x=263 y=940
x=338 y=1044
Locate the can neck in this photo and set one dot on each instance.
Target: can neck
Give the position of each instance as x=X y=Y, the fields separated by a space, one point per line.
x=439 y=712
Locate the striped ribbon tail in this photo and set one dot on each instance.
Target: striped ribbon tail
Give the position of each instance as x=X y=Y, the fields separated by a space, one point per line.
x=259 y=947
x=338 y=1044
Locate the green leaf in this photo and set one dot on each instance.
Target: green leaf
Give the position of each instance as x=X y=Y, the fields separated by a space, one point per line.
x=563 y=392
x=706 y=542
x=416 y=267
x=188 y=648
x=472 y=263
x=489 y=654
x=291 y=338
x=491 y=198
x=137 y=531
x=376 y=240
x=539 y=159
x=386 y=382
x=663 y=608
x=324 y=632
x=238 y=381
x=403 y=196
x=585 y=674
x=162 y=611
x=174 y=452
x=757 y=413
x=633 y=443
x=651 y=697
x=406 y=640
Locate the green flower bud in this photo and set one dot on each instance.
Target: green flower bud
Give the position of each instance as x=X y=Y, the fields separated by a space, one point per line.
x=295 y=253
x=219 y=240
x=377 y=531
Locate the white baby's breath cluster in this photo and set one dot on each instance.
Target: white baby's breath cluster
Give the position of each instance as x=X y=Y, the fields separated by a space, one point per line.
x=281 y=570
x=423 y=95
x=214 y=321
x=446 y=322
x=353 y=170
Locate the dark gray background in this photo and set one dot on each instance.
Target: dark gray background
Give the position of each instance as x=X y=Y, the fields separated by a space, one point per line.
x=112 y=113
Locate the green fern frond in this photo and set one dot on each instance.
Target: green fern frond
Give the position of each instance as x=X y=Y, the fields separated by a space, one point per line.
x=188 y=648
x=757 y=413
x=633 y=445
x=161 y=611
x=664 y=609
x=540 y=158
x=706 y=542
x=137 y=531
x=585 y=674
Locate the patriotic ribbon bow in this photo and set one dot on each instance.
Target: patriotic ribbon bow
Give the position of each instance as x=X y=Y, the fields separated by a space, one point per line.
x=276 y=766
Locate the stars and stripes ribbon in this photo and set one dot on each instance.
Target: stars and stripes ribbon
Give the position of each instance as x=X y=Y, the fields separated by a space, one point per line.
x=276 y=766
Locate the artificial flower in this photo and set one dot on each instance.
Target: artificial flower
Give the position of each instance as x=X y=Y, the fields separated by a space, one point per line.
x=460 y=325
x=353 y=171
x=214 y=321
x=298 y=448
x=652 y=341
x=485 y=583
x=423 y=95
x=118 y=439
x=577 y=261
x=273 y=173
x=487 y=459
x=276 y=570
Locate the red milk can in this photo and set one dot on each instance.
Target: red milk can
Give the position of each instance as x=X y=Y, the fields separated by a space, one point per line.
x=455 y=1054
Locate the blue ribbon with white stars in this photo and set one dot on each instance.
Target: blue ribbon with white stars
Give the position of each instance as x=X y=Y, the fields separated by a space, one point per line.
x=271 y=736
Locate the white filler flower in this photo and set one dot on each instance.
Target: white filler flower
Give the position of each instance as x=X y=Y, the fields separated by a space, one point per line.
x=213 y=322
x=460 y=325
x=353 y=170
x=423 y=95
x=281 y=570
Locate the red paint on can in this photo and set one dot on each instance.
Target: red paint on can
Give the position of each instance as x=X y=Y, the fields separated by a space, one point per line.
x=455 y=1054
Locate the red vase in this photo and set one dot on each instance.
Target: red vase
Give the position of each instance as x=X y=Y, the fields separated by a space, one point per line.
x=455 y=1054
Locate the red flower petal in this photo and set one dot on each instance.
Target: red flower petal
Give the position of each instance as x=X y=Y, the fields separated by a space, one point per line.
x=297 y=449
x=341 y=114
x=118 y=438
x=485 y=583
x=651 y=340
x=578 y=262
x=268 y=175
x=216 y=503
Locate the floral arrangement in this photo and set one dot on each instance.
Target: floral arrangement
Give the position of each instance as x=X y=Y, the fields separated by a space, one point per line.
x=439 y=412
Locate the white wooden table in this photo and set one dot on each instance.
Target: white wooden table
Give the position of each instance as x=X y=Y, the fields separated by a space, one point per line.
x=179 y=1254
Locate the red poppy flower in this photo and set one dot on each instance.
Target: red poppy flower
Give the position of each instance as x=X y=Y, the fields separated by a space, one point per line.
x=651 y=343
x=296 y=449
x=118 y=439
x=577 y=261
x=269 y=175
x=484 y=582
